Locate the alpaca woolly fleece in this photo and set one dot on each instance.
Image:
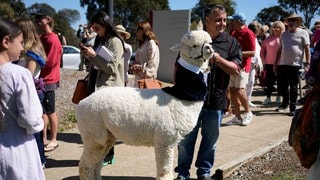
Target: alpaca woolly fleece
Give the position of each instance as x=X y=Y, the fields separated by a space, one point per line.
x=139 y=117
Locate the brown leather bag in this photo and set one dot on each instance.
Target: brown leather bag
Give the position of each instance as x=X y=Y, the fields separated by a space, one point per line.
x=149 y=84
x=80 y=91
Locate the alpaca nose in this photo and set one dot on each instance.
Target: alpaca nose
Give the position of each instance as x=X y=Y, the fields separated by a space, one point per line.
x=207 y=49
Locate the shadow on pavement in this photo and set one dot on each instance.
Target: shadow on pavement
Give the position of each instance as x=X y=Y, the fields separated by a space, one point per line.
x=70 y=137
x=52 y=163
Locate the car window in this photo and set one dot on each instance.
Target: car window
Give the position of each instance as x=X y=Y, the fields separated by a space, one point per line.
x=68 y=50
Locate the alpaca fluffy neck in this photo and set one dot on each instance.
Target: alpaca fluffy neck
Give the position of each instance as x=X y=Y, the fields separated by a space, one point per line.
x=189 y=66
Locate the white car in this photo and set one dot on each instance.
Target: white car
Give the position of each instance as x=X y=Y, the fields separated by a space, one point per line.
x=71 y=57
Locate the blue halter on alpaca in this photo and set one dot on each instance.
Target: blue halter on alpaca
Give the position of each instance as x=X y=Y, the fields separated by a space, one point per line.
x=190 y=83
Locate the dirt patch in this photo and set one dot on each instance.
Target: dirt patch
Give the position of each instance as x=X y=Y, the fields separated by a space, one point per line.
x=279 y=163
x=64 y=107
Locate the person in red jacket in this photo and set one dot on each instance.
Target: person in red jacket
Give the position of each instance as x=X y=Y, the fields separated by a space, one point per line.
x=239 y=82
x=51 y=75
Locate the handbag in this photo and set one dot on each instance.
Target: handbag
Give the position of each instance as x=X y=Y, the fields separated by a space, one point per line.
x=263 y=78
x=147 y=83
x=80 y=91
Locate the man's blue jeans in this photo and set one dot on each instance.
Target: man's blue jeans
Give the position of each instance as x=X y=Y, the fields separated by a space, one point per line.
x=209 y=121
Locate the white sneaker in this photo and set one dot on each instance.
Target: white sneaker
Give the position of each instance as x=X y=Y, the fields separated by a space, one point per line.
x=252 y=105
x=278 y=99
x=227 y=114
x=247 y=118
x=234 y=121
x=266 y=101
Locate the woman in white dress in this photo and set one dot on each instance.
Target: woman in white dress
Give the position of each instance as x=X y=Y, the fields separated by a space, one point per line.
x=20 y=111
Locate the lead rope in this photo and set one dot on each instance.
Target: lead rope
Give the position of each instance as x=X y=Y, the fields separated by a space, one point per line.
x=211 y=81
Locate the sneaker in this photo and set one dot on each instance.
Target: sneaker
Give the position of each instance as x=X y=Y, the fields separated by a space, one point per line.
x=291 y=113
x=227 y=114
x=234 y=121
x=266 y=101
x=180 y=177
x=252 y=105
x=104 y=164
x=282 y=108
x=247 y=118
x=278 y=99
x=44 y=165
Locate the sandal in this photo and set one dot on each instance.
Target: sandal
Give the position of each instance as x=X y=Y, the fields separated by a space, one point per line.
x=50 y=148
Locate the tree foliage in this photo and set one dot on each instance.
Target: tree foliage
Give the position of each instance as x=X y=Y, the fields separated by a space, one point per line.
x=126 y=12
x=64 y=18
x=308 y=8
x=130 y=12
x=198 y=10
x=271 y=14
x=13 y=9
x=6 y=11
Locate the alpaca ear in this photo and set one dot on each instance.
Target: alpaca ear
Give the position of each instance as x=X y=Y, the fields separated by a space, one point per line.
x=176 y=47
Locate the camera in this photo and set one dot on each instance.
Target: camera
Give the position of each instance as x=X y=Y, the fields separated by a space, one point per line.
x=83 y=25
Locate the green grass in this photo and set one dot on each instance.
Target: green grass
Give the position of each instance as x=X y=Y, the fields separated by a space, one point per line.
x=285 y=176
x=68 y=122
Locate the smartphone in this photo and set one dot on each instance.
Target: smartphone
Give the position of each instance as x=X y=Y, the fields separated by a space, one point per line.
x=81 y=45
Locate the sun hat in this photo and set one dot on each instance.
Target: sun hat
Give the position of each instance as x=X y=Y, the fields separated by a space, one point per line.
x=294 y=16
x=42 y=12
x=238 y=16
x=121 y=29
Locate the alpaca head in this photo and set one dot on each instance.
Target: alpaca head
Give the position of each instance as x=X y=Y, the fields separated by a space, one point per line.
x=195 y=47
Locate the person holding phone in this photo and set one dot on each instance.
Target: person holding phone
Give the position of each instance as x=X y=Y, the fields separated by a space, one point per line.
x=104 y=72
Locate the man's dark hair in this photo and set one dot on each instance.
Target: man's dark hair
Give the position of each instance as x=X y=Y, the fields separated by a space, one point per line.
x=208 y=9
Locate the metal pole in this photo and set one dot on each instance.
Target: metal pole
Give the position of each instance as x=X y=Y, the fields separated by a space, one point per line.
x=109 y=8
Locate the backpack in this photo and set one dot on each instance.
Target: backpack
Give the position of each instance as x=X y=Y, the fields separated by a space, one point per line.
x=305 y=129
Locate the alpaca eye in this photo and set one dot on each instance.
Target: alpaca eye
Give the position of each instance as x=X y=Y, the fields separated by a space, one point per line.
x=194 y=46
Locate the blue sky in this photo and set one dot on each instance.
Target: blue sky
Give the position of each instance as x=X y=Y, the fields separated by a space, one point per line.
x=249 y=8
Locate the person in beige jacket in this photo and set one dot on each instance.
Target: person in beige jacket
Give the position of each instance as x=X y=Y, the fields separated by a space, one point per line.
x=106 y=60
x=147 y=56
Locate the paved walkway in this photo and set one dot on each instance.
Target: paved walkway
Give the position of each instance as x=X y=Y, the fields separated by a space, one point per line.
x=236 y=145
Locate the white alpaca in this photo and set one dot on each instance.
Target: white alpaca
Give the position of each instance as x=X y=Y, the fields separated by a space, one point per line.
x=140 y=117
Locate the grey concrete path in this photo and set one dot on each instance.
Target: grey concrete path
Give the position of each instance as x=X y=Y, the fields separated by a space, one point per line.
x=236 y=145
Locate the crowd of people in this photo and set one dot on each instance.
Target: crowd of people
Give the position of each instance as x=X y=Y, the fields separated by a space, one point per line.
x=242 y=52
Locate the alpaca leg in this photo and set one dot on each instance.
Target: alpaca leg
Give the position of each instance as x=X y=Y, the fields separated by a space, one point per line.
x=109 y=144
x=92 y=157
x=88 y=163
x=164 y=160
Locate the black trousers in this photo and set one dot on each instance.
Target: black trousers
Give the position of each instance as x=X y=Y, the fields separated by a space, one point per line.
x=288 y=76
x=271 y=79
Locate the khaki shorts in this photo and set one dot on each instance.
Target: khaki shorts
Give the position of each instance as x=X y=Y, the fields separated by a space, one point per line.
x=239 y=80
